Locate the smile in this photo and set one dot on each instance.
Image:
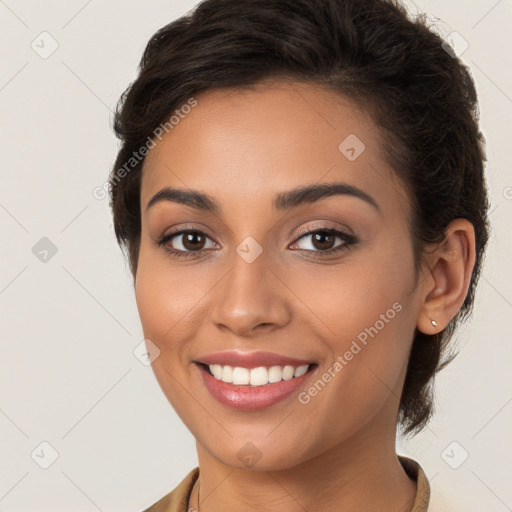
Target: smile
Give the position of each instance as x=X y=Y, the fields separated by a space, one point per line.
x=259 y=376
x=252 y=382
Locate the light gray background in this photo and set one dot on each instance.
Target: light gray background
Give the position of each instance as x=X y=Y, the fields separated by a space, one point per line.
x=69 y=325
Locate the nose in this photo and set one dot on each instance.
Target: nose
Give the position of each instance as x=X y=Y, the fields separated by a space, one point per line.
x=251 y=298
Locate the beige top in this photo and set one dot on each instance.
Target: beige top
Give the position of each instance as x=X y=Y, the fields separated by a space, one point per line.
x=177 y=500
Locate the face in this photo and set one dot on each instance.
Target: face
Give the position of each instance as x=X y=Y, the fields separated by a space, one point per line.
x=256 y=278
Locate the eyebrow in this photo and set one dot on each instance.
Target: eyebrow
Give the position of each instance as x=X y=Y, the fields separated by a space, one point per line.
x=282 y=201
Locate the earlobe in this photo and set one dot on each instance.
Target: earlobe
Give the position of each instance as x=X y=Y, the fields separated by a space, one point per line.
x=450 y=268
x=429 y=326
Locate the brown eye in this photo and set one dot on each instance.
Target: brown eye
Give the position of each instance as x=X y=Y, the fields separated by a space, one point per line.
x=186 y=242
x=324 y=240
x=193 y=240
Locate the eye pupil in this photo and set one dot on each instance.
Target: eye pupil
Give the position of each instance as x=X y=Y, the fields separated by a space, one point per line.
x=322 y=237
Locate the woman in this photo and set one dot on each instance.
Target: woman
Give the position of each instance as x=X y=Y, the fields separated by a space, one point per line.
x=300 y=192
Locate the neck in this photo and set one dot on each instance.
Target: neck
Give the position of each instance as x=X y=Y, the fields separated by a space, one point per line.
x=355 y=475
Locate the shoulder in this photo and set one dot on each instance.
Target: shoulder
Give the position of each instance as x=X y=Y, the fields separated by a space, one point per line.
x=177 y=499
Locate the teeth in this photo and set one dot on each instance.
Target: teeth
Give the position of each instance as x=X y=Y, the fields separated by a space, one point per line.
x=301 y=370
x=288 y=372
x=216 y=369
x=256 y=376
x=240 y=375
x=227 y=374
x=275 y=374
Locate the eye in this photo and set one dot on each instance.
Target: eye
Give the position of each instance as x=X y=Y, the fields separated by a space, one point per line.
x=194 y=243
x=323 y=240
x=185 y=242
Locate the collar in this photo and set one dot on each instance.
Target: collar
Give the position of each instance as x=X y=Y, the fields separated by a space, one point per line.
x=177 y=500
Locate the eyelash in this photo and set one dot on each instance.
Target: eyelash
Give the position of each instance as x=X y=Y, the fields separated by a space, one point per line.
x=347 y=238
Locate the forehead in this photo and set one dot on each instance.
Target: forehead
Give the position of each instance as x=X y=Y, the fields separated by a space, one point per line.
x=247 y=144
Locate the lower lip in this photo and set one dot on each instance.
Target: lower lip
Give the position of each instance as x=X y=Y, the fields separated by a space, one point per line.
x=251 y=398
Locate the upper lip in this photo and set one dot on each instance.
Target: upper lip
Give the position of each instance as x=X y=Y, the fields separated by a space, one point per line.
x=251 y=359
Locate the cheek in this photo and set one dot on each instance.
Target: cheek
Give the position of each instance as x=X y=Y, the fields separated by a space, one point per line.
x=349 y=298
x=364 y=311
x=163 y=301
x=165 y=297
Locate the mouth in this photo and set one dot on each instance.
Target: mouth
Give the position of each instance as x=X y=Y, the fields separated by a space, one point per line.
x=251 y=389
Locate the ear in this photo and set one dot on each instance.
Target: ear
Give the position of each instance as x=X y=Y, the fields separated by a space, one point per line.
x=446 y=281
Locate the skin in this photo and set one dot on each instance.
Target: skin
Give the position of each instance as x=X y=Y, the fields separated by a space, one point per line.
x=242 y=147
